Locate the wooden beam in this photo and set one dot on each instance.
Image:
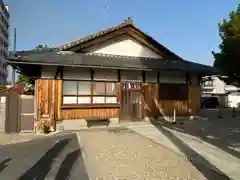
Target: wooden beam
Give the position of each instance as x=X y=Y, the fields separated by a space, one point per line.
x=144 y=76
x=57 y=72
x=92 y=85
x=119 y=75
x=61 y=72
x=188 y=80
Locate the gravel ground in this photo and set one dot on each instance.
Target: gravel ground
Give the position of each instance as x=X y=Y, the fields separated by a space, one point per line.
x=121 y=154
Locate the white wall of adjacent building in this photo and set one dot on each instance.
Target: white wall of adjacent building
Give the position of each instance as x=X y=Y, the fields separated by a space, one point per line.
x=218 y=86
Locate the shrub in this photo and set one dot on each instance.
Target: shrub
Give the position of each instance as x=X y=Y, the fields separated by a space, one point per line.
x=46 y=129
x=46 y=126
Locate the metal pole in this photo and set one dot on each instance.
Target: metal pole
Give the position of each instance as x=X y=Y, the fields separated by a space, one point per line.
x=14 y=50
x=219 y=112
x=174 y=116
x=234 y=112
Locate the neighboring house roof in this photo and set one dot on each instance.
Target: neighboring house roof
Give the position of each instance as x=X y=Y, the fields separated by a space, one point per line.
x=18 y=88
x=111 y=61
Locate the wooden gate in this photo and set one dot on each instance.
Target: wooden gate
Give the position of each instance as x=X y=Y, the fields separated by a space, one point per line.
x=16 y=112
x=131 y=106
x=9 y=112
x=27 y=113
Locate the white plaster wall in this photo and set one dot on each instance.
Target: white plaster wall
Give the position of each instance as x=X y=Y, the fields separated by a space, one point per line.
x=151 y=77
x=126 y=47
x=172 y=77
x=127 y=75
x=105 y=74
x=76 y=73
x=48 y=72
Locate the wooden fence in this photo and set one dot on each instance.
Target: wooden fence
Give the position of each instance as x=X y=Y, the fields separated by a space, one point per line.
x=16 y=112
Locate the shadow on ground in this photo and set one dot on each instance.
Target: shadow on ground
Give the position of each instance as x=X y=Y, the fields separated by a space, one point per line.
x=205 y=167
x=43 y=166
x=67 y=165
x=4 y=164
x=222 y=133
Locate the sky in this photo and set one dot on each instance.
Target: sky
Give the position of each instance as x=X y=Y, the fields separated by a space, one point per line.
x=189 y=28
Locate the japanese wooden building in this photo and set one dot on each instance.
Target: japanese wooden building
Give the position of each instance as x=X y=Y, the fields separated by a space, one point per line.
x=118 y=73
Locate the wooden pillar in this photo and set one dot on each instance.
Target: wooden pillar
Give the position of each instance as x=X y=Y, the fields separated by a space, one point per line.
x=48 y=96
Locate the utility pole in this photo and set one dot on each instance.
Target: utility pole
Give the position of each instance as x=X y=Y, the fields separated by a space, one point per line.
x=14 y=51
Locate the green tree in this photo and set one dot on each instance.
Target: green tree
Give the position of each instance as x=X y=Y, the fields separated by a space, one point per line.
x=228 y=59
x=28 y=79
x=24 y=78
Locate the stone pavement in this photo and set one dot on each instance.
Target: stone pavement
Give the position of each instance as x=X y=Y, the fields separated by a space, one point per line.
x=194 y=149
x=22 y=137
x=16 y=138
x=123 y=154
x=57 y=157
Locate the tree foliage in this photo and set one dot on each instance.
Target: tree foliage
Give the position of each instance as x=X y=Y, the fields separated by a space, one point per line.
x=228 y=59
x=28 y=79
x=24 y=78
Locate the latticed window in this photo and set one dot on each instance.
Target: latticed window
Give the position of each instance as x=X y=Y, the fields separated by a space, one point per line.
x=87 y=92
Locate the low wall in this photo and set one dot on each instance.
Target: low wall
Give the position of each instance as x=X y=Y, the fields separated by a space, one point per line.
x=223 y=112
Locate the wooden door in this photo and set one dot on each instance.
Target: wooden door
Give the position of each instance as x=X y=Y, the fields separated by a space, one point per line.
x=131 y=106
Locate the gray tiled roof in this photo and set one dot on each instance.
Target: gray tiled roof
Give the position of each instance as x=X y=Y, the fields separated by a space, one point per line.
x=126 y=22
x=51 y=56
x=75 y=42
x=111 y=61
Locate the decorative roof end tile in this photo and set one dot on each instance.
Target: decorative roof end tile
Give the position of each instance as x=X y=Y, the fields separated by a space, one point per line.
x=128 y=21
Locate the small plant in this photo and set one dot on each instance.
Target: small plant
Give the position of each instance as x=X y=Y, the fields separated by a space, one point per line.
x=2 y=87
x=46 y=129
x=46 y=126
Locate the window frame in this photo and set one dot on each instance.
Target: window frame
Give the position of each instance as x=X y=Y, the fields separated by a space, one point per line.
x=91 y=94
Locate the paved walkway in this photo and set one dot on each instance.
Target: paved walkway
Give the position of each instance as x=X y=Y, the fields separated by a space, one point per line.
x=122 y=154
x=22 y=137
x=194 y=149
x=53 y=158
x=16 y=138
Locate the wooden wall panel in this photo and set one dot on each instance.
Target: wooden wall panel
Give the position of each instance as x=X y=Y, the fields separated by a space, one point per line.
x=194 y=99
x=47 y=98
x=150 y=100
x=88 y=113
x=49 y=101
x=154 y=107
x=59 y=100
x=42 y=89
